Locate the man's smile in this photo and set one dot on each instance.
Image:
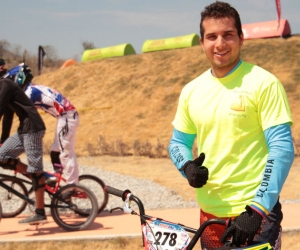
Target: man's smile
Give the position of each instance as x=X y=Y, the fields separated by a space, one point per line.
x=221 y=53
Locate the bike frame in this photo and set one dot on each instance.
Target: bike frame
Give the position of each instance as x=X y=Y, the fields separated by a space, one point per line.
x=52 y=189
x=23 y=197
x=49 y=189
x=59 y=200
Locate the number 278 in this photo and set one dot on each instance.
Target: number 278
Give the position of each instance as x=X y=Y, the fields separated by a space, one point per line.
x=164 y=238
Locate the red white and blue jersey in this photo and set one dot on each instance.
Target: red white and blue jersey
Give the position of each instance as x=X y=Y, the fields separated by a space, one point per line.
x=47 y=99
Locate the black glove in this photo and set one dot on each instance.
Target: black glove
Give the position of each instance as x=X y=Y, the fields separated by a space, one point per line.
x=196 y=174
x=244 y=227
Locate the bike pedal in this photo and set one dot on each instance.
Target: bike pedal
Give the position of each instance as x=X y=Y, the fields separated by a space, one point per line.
x=38 y=223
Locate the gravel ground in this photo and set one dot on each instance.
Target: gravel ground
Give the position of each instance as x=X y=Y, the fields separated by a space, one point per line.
x=152 y=195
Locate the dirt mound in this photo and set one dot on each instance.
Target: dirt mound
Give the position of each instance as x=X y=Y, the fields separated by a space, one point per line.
x=134 y=98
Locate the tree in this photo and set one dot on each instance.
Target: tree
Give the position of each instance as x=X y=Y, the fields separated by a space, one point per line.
x=51 y=55
x=4 y=45
x=88 y=45
x=17 y=51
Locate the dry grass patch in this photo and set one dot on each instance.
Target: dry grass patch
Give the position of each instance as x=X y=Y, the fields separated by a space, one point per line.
x=290 y=241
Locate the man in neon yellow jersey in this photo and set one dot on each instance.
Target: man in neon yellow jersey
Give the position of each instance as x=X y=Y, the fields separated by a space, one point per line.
x=241 y=117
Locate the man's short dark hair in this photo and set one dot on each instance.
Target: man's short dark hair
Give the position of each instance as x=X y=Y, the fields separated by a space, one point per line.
x=220 y=10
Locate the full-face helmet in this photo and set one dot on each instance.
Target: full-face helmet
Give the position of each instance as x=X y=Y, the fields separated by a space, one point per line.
x=20 y=74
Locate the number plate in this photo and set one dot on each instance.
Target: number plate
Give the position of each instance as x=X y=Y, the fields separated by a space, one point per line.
x=165 y=235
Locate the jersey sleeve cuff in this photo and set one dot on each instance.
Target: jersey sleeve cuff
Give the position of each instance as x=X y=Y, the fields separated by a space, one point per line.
x=259 y=209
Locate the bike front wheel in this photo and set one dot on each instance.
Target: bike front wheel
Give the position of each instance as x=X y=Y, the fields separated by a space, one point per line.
x=69 y=202
x=97 y=186
x=12 y=205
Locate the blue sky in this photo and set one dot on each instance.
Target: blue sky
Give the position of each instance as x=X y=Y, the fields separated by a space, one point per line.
x=65 y=24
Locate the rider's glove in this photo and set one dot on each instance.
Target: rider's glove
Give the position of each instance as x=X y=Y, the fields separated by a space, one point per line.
x=244 y=227
x=196 y=174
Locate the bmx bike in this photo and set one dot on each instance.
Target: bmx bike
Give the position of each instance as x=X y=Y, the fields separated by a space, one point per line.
x=13 y=206
x=73 y=207
x=159 y=234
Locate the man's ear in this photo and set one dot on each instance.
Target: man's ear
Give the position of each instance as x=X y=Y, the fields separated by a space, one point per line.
x=201 y=43
x=242 y=38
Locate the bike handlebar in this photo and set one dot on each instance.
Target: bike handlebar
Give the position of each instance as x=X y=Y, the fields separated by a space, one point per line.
x=127 y=196
x=117 y=192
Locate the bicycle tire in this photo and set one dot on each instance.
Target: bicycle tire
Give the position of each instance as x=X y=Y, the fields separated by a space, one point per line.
x=65 y=213
x=91 y=181
x=12 y=205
